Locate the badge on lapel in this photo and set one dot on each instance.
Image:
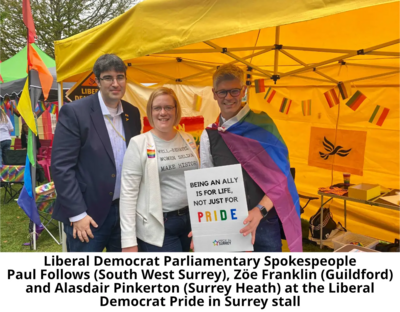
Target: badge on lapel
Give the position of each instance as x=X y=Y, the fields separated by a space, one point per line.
x=127 y=117
x=192 y=144
x=151 y=152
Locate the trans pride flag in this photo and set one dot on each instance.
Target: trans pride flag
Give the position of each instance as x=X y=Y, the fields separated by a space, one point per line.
x=257 y=145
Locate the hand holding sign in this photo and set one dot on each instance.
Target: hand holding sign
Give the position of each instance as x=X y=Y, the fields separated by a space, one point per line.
x=217 y=205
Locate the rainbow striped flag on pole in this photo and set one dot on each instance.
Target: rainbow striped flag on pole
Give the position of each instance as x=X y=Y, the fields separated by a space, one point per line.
x=271 y=96
x=331 y=98
x=306 y=107
x=285 y=106
x=259 y=84
x=197 y=101
x=379 y=115
x=343 y=90
x=53 y=108
x=356 y=100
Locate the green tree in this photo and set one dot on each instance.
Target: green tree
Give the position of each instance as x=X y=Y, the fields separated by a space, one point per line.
x=54 y=20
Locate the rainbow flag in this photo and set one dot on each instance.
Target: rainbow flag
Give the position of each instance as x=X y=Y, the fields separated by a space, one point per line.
x=356 y=100
x=259 y=84
x=258 y=146
x=151 y=153
x=53 y=108
x=42 y=106
x=331 y=98
x=306 y=107
x=193 y=125
x=271 y=96
x=285 y=106
x=343 y=90
x=197 y=102
x=379 y=115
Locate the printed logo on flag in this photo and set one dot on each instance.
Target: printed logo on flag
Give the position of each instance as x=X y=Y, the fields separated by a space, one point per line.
x=341 y=150
x=332 y=150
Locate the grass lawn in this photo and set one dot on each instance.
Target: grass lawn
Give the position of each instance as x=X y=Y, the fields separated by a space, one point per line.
x=14 y=232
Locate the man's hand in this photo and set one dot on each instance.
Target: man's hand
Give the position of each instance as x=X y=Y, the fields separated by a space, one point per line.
x=130 y=249
x=82 y=229
x=254 y=218
x=191 y=242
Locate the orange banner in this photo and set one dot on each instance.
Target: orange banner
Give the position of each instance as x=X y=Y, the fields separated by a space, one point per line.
x=341 y=150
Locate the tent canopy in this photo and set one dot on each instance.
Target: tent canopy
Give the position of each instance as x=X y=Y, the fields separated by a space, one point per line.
x=311 y=45
x=175 y=42
x=15 y=67
x=15 y=87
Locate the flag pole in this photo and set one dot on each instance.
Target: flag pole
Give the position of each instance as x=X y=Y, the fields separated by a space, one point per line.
x=33 y=139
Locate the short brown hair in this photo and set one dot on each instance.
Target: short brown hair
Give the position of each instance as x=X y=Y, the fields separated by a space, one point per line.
x=163 y=91
x=228 y=72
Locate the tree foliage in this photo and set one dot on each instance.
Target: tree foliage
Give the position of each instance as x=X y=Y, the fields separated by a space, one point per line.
x=54 y=20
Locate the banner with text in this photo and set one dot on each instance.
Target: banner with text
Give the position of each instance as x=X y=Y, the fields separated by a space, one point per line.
x=217 y=205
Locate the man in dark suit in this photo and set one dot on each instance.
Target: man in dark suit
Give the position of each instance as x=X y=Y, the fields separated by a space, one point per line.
x=90 y=141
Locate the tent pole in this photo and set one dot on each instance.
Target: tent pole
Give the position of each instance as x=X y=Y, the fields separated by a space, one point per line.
x=218 y=50
x=371 y=66
x=198 y=63
x=153 y=72
x=277 y=32
x=304 y=64
x=367 y=50
x=233 y=62
x=241 y=60
x=60 y=95
x=374 y=76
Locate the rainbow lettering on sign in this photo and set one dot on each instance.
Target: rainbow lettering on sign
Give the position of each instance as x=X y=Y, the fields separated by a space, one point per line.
x=222 y=214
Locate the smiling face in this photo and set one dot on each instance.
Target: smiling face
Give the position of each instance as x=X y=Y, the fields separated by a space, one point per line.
x=112 y=91
x=164 y=114
x=229 y=105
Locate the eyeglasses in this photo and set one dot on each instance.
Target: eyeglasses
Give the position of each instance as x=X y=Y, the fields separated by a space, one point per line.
x=233 y=92
x=110 y=79
x=168 y=109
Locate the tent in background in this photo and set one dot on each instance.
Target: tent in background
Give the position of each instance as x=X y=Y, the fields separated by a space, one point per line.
x=308 y=47
x=14 y=88
x=15 y=67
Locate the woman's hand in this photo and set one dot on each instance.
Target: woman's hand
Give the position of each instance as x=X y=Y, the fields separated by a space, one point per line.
x=130 y=249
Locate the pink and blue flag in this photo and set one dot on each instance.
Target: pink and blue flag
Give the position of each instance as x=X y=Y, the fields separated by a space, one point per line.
x=257 y=145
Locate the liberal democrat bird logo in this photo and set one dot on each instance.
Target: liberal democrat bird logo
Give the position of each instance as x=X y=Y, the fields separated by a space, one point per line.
x=332 y=150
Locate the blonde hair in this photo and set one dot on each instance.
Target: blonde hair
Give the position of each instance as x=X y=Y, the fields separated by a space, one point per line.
x=228 y=72
x=163 y=91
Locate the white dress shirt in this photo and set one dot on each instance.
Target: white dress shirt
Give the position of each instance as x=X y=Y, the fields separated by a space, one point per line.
x=205 y=151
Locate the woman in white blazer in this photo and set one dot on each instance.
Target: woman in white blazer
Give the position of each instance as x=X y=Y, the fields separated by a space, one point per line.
x=153 y=203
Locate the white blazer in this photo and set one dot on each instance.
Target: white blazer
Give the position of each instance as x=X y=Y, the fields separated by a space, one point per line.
x=140 y=201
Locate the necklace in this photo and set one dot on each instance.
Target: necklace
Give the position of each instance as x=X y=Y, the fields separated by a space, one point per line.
x=112 y=125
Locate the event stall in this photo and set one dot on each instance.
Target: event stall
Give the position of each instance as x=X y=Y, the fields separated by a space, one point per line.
x=321 y=70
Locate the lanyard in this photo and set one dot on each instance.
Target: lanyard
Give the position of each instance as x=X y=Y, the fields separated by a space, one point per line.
x=114 y=128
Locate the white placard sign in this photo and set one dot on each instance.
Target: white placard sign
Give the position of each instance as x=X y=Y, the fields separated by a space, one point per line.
x=217 y=206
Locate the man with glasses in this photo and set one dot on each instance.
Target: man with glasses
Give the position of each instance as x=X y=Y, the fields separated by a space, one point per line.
x=243 y=136
x=90 y=141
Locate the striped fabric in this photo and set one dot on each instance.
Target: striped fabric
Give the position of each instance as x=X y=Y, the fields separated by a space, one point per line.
x=343 y=90
x=259 y=84
x=356 y=100
x=258 y=146
x=331 y=98
x=270 y=95
x=285 y=106
x=306 y=107
x=197 y=101
x=379 y=115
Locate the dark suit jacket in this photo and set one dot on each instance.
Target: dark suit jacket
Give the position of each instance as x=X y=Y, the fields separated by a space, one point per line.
x=82 y=162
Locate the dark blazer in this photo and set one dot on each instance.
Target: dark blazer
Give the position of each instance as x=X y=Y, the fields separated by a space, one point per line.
x=24 y=141
x=82 y=161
